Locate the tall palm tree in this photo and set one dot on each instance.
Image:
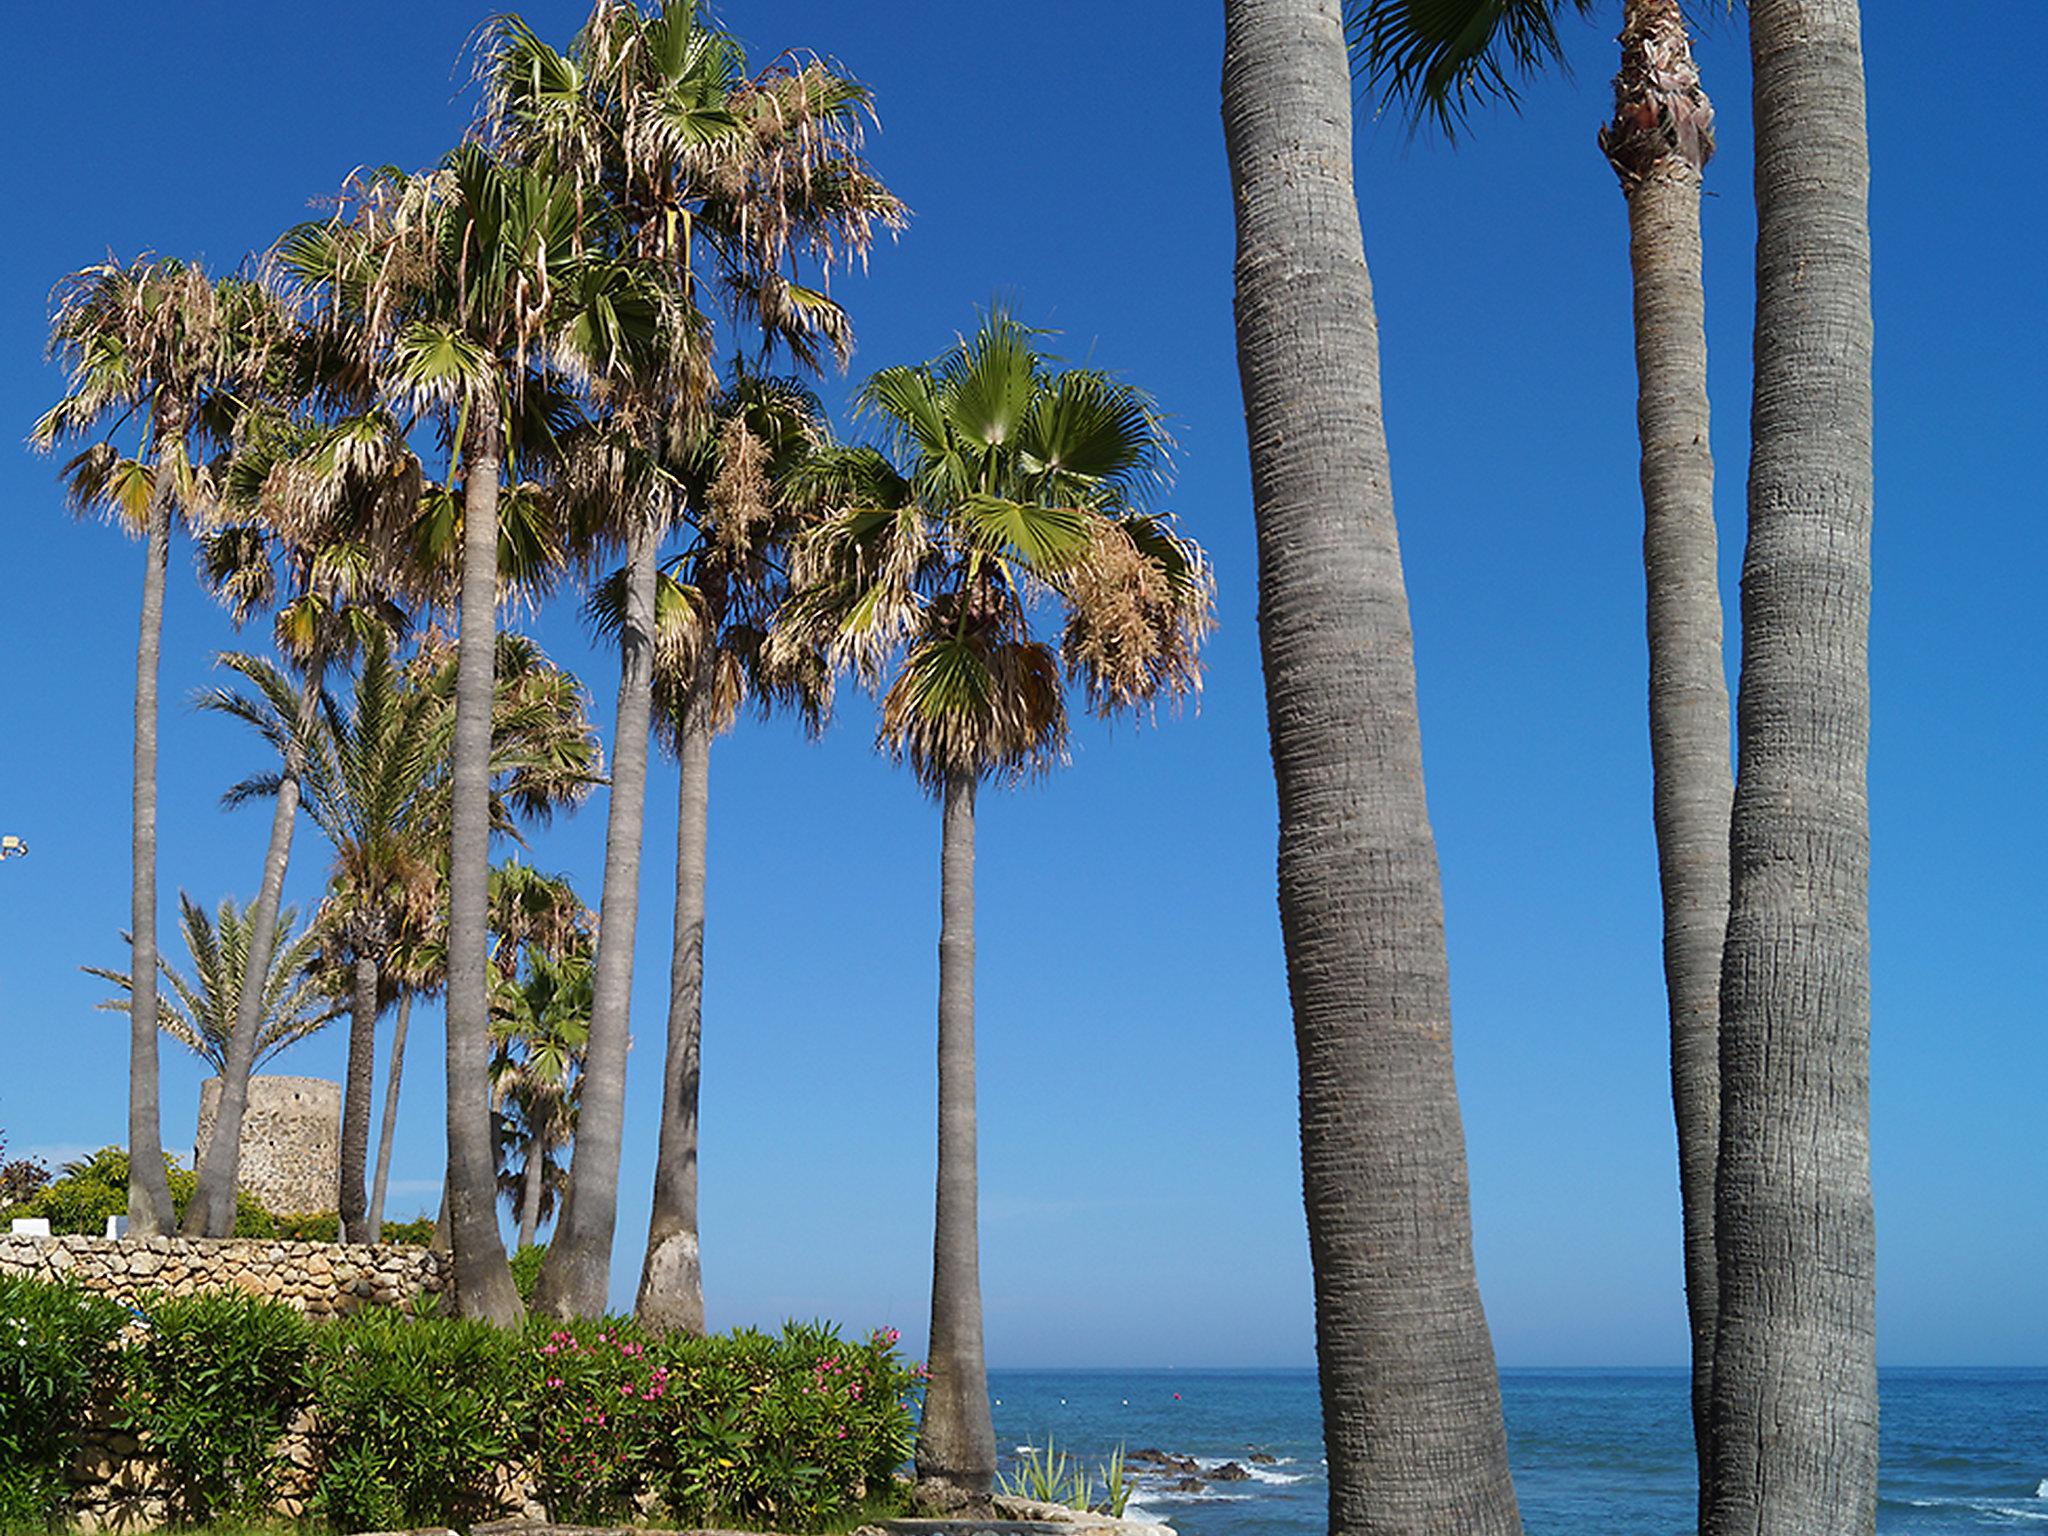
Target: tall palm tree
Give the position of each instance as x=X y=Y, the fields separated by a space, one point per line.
x=712 y=175
x=304 y=501
x=1411 y=1401
x=1658 y=141
x=1014 y=487
x=1795 y=1370
x=377 y=779
x=714 y=601
x=459 y=289
x=541 y=1022
x=157 y=348
x=298 y=996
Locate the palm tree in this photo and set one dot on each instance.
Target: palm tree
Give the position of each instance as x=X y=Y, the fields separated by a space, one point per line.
x=713 y=603
x=710 y=173
x=306 y=501
x=456 y=289
x=158 y=346
x=1795 y=1371
x=1658 y=141
x=1015 y=486
x=541 y=1021
x=377 y=780
x=1411 y=1402
x=297 y=996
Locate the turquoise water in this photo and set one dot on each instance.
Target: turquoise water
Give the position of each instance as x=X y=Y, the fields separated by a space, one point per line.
x=1593 y=1451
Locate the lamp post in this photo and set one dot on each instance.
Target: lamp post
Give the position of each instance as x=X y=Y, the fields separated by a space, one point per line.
x=12 y=847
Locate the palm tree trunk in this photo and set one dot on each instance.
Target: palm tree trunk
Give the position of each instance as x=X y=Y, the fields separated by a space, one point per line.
x=389 y=1131
x=212 y=1212
x=575 y=1278
x=1659 y=142
x=529 y=1192
x=1411 y=1401
x=672 y=1276
x=1795 y=1375
x=483 y=1280
x=956 y=1443
x=149 y=1189
x=355 y=1100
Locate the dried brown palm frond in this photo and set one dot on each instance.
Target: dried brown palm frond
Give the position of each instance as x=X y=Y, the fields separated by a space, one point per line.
x=1138 y=607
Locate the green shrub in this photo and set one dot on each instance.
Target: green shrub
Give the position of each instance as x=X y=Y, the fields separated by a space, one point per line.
x=87 y=1192
x=526 y=1265
x=211 y=1384
x=55 y=1352
x=419 y=1232
x=309 y=1226
x=415 y=1415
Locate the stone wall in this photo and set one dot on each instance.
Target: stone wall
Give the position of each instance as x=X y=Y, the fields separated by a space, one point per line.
x=320 y=1279
x=291 y=1141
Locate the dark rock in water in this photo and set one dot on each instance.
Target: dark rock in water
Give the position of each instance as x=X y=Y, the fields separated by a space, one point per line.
x=1261 y=1459
x=1229 y=1472
x=1151 y=1453
x=1188 y=1485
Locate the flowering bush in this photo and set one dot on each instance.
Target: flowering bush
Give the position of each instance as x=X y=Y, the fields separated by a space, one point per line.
x=55 y=1352
x=595 y=1400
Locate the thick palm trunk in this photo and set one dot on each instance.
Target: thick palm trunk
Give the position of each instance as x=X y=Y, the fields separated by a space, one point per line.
x=1795 y=1377
x=1411 y=1402
x=956 y=1443
x=355 y=1099
x=388 y=1133
x=575 y=1278
x=1659 y=142
x=529 y=1193
x=672 y=1276
x=483 y=1281
x=149 y=1189
x=212 y=1212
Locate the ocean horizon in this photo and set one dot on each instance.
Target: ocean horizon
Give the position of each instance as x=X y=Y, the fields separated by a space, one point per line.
x=1962 y=1449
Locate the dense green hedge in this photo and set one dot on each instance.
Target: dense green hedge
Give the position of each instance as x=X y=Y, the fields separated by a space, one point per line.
x=418 y=1416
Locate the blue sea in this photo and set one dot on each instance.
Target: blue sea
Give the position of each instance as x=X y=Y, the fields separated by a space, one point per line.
x=1963 y=1451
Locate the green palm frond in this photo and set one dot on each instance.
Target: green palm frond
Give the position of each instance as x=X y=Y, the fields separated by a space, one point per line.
x=1440 y=58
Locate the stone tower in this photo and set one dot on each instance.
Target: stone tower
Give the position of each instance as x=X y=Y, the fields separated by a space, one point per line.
x=291 y=1141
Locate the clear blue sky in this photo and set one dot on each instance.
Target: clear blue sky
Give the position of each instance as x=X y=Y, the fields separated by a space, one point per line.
x=1140 y=1187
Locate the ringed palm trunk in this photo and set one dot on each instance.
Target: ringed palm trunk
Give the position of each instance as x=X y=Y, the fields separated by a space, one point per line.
x=956 y=1442
x=212 y=1212
x=483 y=1280
x=529 y=1192
x=671 y=1295
x=1795 y=1377
x=1659 y=142
x=150 y=1210
x=355 y=1099
x=1411 y=1401
x=575 y=1278
x=389 y=1130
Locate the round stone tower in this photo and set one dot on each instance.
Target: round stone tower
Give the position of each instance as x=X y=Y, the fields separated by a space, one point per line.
x=291 y=1141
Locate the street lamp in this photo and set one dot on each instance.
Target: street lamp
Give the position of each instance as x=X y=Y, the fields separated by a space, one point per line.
x=12 y=847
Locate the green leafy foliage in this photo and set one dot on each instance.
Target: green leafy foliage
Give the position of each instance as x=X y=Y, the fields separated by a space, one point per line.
x=211 y=1383
x=526 y=1265
x=55 y=1353
x=85 y=1193
x=415 y=1416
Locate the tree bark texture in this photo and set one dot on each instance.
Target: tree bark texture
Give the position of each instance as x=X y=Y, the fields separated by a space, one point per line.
x=529 y=1192
x=672 y=1276
x=483 y=1281
x=1411 y=1401
x=575 y=1277
x=388 y=1132
x=1795 y=1378
x=360 y=1081
x=212 y=1212
x=956 y=1443
x=150 y=1212
x=1659 y=141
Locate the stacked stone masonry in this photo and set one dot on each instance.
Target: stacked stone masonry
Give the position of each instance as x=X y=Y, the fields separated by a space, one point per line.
x=320 y=1279
x=291 y=1141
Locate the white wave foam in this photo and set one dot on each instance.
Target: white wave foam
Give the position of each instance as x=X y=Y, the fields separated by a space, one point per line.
x=2041 y=1489
x=1265 y=1474
x=1174 y=1496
